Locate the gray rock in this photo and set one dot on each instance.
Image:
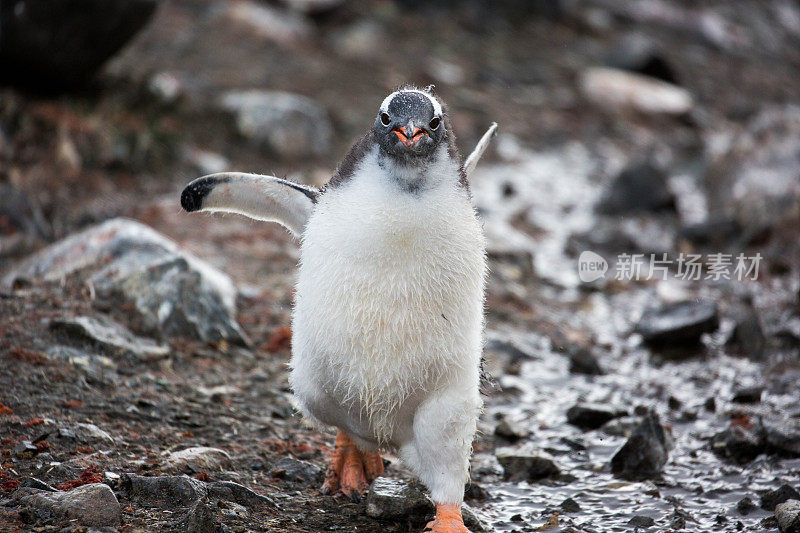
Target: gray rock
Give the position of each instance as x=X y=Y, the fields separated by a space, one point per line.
x=641 y=521
x=197 y=459
x=57 y=46
x=640 y=54
x=738 y=443
x=748 y=335
x=25 y=450
x=639 y=187
x=788 y=516
x=234 y=492
x=771 y=499
x=621 y=427
x=168 y=492
x=645 y=453
x=746 y=505
x=362 y=39
x=678 y=323
x=755 y=181
x=91 y=505
x=783 y=437
x=289 y=125
x=748 y=394
x=109 y=336
x=392 y=499
x=279 y=26
x=583 y=361
x=525 y=463
x=570 y=506
x=510 y=430
x=591 y=415
x=296 y=470
x=198 y=519
x=621 y=91
x=172 y=292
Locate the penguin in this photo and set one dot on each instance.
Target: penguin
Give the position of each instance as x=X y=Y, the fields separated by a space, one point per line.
x=388 y=314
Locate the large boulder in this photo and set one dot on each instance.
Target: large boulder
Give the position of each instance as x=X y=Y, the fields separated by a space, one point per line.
x=171 y=292
x=289 y=125
x=57 y=45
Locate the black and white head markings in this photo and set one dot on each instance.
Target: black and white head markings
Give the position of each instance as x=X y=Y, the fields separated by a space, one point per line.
x=409 y=126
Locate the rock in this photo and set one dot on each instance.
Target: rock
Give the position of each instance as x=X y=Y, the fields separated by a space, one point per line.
x=85 y=432
x=678 y=323
x=471 y=520
x=755 y=180
x=618 y=90
x=510 y=430
x=198 y=519
x=788 y=516
x=109 y=336
x=525 y=464
x=738 y=443
x=38 y=484
x=621 y=427
x=773 y=498
x=645 y=453
x=128 y=263
x=746 y=505
x=748 y=336
x=392 y=499
x=570 y=506
x=96 y=367
x=582 y=361
x=234 y=492
x=296 y=470
x=591 y=415
x=641 y=521
x=748 y=395
x=169 y=492
x=783 y=437
x=59 y=46
x=639 y=187
x=279 y=26
x=289 y=125
x=92 y=505
x=206 y=162
x=362 y=39
x=198 y=459
x=25 y=450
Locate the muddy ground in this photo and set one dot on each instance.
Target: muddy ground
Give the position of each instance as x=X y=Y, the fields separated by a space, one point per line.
x=126 y=145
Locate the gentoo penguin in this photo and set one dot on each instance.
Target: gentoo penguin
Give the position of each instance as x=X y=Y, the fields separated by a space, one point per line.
x=388 y=315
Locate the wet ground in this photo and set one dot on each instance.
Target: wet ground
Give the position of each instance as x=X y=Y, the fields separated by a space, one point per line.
x=125 y=149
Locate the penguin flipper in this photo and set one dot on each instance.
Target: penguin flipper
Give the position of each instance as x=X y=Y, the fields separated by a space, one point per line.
x=474 y=157
x=252 y=195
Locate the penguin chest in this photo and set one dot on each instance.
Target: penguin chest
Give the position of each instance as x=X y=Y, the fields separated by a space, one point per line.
x=390 y=295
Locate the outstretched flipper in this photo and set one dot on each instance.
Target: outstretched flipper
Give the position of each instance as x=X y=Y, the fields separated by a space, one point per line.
x=252 y=195
x=475 y=156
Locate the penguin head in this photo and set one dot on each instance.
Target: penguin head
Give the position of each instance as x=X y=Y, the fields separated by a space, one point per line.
x=410 y=125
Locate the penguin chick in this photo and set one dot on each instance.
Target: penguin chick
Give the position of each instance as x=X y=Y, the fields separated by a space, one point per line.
x=388 y=316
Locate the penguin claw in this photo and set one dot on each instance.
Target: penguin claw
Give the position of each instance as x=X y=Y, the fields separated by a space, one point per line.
x=351 y=470
x=448 y=520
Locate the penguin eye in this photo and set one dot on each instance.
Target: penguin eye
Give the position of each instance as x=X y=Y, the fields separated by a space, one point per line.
x=385 y=120
x=434 y=123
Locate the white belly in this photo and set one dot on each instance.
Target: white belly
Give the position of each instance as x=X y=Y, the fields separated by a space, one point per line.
x=389 y=305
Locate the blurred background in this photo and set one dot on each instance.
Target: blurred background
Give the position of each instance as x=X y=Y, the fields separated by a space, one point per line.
x=131 y=331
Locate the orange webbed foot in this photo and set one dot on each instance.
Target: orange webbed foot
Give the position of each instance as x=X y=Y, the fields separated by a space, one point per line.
x=350 y=470
x=448 y=520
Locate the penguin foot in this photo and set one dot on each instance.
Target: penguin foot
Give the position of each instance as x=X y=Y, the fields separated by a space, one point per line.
x=448 y=520
x=351 y=471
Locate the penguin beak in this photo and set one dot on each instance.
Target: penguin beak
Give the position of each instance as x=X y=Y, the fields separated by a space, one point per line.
x=409 y=134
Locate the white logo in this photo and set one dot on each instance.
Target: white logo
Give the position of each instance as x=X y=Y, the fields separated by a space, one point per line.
x=591 y=266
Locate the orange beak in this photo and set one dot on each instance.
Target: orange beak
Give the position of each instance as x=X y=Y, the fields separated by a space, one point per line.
x=407 y=137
